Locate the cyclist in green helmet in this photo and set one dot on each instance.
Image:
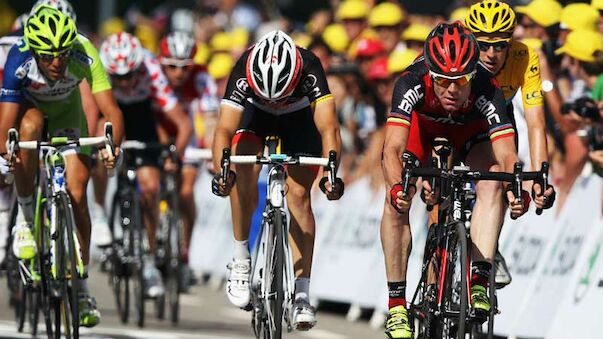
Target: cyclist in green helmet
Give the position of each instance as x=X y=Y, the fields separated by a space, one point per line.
x=41 y=78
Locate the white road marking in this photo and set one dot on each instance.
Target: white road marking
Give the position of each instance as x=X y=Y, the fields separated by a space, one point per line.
x=7 y=328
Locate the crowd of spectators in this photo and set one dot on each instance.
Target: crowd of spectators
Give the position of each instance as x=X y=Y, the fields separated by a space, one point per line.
x=364 y=45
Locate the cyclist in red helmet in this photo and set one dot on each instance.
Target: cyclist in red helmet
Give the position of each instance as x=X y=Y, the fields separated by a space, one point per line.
x=445 y=93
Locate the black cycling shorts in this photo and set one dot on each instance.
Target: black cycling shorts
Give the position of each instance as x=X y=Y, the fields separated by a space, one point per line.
x=297 y=131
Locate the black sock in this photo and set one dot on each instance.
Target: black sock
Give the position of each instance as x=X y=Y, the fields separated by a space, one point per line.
x=397 y=293
x=480 y=272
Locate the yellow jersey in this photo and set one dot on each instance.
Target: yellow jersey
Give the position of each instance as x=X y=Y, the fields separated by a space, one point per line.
x=521 y=70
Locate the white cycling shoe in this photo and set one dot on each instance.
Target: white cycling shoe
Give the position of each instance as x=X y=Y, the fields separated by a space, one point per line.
x=237 y=286
x=24 y=245
x=304 y=315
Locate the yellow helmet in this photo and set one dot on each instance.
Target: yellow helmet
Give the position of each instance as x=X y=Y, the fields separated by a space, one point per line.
x=491 y=16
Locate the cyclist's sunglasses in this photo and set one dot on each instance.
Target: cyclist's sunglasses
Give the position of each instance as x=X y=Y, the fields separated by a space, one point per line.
x=174 y=64
x=50 y=56
x=174 y=67
x=445 y=81
x=498 y=46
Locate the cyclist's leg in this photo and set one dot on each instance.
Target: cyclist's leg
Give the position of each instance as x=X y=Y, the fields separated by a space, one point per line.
x=486 y=222
x=188 y=175
x=31 y=124
x=148 y=180
x=396 y=238
x=243 y=202
x=77 y=168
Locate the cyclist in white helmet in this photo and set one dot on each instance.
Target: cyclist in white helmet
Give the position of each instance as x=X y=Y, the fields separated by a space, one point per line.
x=197 y=92
x=276 y=88
x=138 y=83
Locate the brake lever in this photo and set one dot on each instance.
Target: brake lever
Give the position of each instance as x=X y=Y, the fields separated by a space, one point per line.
x=517 y=182
x=12 y=145
x=225 y=162
x=544 y=181
x=109 y=145
x=432 y=182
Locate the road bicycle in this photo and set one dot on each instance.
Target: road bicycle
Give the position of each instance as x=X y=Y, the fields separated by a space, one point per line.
x=440 y=307
x=50 y=279
x=272 y=274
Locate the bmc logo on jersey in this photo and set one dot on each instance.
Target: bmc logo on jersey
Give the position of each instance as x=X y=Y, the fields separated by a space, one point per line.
x=410 y=98
x=486 y=107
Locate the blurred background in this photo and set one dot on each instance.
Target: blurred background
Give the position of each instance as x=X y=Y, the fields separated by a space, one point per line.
x=364 y=45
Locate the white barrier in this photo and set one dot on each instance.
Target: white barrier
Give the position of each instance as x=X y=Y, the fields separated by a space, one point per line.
x=552 y=259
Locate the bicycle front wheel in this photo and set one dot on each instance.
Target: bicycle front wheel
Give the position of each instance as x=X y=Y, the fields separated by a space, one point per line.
x=276 y=293
x=71 y=271
x=118 y=272
x=456 y=296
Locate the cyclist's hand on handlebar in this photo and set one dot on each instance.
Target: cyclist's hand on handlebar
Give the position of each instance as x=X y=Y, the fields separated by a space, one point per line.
x=333 y=192
x=516 y=206
x=111 y=161
x=6 y=167
x=428 y=195
x=221 y=188
x=400 y=202
x=546 y=200
x=170 y=165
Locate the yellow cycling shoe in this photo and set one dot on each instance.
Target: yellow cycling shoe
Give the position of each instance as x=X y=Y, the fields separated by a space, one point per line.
x=396 y=325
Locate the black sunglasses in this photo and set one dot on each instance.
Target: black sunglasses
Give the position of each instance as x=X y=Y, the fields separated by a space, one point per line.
x=498 y=46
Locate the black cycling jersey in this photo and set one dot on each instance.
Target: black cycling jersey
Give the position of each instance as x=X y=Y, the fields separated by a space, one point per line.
x=414 y=92
x=312 y=87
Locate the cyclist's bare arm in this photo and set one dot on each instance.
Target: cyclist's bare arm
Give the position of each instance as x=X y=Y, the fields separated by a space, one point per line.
x=325 y=119
x=396 y=138
x=90 y=108
x=228 y=123
x=185 y=129
x=112 y=113
x=536 y=135
x=505 y=153
x=8 y=117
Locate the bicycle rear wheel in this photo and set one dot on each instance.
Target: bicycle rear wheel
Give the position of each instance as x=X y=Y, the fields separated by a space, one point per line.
x=455 y=296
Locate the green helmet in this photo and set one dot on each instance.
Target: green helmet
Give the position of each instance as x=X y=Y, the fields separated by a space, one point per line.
x=49 y=30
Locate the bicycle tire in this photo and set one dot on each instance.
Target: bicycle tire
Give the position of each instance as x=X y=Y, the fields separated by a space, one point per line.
x=118 y=272
x=423 y=305
x=20 y=304
x=457 y=252
x=136 y=236
x=34 y=311
x=174 y=264
x=72 y=251
x=276 y=286
x=59 y=301
x=45 y=275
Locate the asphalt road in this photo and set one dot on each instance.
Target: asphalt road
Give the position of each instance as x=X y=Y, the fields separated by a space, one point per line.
x=205 y=313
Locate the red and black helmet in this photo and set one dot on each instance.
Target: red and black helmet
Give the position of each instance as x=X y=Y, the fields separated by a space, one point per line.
x=451 y=50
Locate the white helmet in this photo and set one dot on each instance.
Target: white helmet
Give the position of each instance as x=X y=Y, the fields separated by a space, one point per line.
x=178 y=45
x=183 y=19
x=274 y=66
x=121 y=53
x=62 y=5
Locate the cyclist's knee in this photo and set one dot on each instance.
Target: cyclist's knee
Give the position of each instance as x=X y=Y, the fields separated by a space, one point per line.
x=149 y=188
x=186 y=193
x=31 y=125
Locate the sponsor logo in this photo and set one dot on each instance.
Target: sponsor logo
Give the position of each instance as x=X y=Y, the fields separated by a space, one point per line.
x=22 y=71
x=9 y=92
x=457 y=210
x=534 y=69
x=486 y=107
x=242 y=85
x=533 y=95
x=308 y=83
x=83 y=58
x=410 y=98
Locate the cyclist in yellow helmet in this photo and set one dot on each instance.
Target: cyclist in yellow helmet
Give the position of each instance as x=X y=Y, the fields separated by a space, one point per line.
x=515 y=66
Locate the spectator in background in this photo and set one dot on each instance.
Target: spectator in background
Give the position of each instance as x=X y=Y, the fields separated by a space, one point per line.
x=459 y=13
x=365 y=52
x=235 y=13
x=540 y=21
x=335 y=36
x=219 y=68
x=583 y=62
x=577 y=16
x=322 y=51
x=387 y=19
x=353 y=15
x=414 y=36
x=598 y=5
